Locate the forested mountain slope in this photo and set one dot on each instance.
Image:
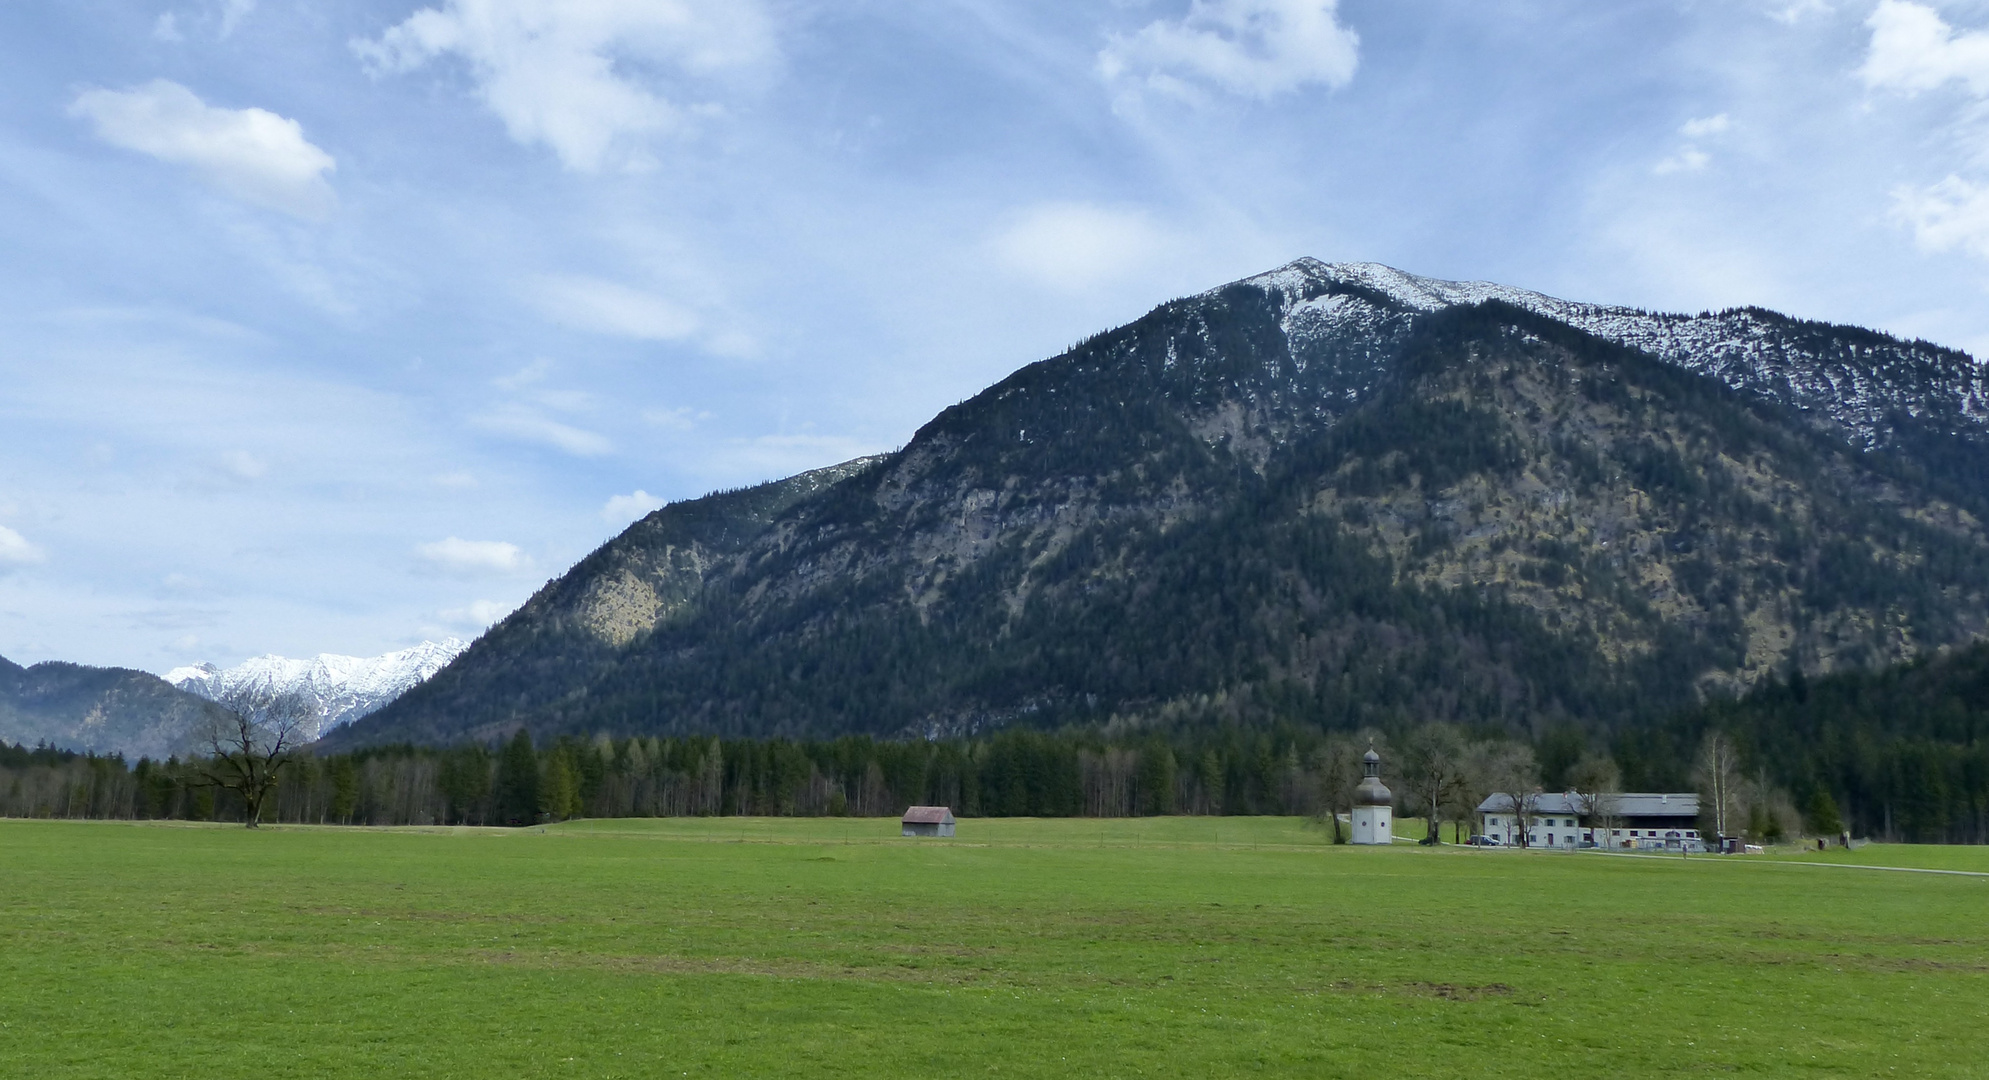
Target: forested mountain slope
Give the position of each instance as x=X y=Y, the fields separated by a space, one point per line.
x=1329 y=494
x=99 y=710
x=1897 y=753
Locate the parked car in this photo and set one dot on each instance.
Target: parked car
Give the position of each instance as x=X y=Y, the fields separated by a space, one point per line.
x=1484 y=841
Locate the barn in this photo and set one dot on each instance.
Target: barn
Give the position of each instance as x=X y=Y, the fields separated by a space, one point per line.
x=928 y=821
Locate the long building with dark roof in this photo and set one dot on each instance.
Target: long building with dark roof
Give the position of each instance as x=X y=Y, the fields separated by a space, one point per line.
x=1634 y=821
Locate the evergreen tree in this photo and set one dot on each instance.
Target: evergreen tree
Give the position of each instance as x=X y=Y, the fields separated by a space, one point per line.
x=345 y=789
x=1824 y=818
x=518 y=781
x=559 y=794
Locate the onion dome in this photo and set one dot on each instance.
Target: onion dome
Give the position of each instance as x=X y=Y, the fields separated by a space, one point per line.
x=1372 y=791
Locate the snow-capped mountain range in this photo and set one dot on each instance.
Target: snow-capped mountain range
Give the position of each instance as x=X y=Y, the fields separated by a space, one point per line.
x=1859 y=381
x=324 y=692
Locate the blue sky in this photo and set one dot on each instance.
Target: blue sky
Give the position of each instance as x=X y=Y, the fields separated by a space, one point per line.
x=334 y=326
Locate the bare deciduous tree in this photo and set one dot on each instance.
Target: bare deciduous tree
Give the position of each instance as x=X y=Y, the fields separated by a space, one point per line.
x=1717 y=770
x=1432 y=767
x=1596 y=781
x=1509 y=769
x=247 y=751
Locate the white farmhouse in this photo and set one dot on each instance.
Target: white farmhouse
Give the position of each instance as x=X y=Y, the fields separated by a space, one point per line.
x=1636 y=821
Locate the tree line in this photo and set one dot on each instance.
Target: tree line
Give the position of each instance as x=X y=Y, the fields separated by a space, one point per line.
x=1013 y=773
x=1901 y=753
x=1437 y=771
x=1898 y=754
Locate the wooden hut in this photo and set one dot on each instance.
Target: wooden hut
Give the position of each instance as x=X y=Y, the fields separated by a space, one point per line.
x=928 y=821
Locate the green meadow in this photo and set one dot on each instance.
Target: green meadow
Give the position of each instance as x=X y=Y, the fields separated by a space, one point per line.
x=1147 y=947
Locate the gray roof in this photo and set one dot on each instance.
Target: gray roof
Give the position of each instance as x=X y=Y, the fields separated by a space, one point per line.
x=929 y=815
x=1547 y=802
x=1624 y=804
x=1654 y=804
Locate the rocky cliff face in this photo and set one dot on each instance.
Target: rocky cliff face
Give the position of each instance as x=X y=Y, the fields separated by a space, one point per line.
x=1328 y=494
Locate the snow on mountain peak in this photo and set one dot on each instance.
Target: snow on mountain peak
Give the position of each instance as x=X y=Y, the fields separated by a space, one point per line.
x=325 y=691
x=1409 y=290
x=1862 y=388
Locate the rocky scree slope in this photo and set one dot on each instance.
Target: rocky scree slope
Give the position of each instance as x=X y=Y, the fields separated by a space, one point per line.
x=1328 y=494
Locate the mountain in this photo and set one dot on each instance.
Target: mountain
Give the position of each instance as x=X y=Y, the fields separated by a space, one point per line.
x=98 y=710
x=1869 y=387
x=1330 y=494
x=325 y=692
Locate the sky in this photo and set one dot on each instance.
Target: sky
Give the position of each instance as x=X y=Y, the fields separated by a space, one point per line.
x=335 y=326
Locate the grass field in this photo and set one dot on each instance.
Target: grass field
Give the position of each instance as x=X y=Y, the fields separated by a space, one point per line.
x=1154 y=947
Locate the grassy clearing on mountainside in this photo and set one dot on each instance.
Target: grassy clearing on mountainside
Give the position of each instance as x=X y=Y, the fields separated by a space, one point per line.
x=809 y=947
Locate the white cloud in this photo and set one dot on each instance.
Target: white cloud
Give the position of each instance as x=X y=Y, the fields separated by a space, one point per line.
x=1253 y=48
x=225 y=17
x=1914 y=49
x=465 y=557
x=528 y=425
x=1794 y=11
x=1951 y=214
x=568 y=73
x=232 y=14
x=681 y=418
x=253 y=154
x=1704 y=126
x=478 y=614
x=531 y=374
x=603 y=307
x=622 y=509
x=524 y=417
x=182 y=583
x=15 y=549
x=1689 y=159
x=243 y=465
x=1075 y=246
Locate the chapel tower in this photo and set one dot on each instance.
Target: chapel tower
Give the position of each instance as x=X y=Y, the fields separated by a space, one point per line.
x=1374 y=806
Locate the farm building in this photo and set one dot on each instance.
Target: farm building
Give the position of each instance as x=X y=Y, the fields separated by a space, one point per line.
x=1666 y=821
x=928 y=821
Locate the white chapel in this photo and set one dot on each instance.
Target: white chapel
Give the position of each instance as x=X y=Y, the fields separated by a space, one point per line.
x=1374 y=807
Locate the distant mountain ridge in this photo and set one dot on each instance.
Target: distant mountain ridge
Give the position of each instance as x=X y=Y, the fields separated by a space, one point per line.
x=1328 y=494
x=325 y=691
x=97 y=710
